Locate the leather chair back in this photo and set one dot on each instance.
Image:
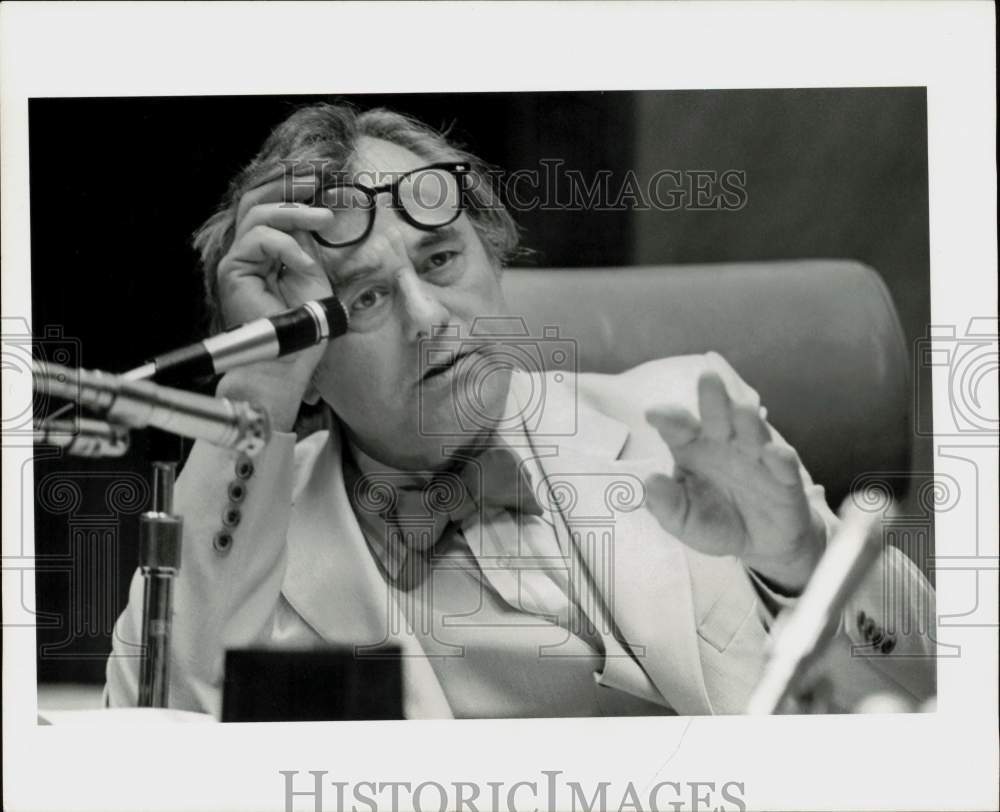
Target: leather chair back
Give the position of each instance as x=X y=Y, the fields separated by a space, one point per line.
x=820 y=341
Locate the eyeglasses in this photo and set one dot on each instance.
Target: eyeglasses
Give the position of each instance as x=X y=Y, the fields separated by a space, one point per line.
x=428 y=197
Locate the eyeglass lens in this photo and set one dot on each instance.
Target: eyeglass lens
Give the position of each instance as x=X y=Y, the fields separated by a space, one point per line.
x=429 y=197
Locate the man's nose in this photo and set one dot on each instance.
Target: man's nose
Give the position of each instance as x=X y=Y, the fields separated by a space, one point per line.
x=421 y=305
x=419 y=301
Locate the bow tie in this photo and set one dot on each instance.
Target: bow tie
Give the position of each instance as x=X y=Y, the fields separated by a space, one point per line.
x=417 y=512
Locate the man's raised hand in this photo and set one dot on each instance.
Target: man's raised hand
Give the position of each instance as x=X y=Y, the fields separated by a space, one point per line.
x=736 y=488
x=273 y=265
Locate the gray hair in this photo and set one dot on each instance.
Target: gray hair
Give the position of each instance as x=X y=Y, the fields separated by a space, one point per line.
x=329 y=133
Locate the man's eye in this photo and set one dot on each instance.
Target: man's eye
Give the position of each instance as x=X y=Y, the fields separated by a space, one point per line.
x=366 y=300
x=440 y=259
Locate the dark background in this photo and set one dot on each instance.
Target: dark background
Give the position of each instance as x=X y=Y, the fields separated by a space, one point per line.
x=118 y=186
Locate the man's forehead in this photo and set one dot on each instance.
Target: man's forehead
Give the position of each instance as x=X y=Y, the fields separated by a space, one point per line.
x=376 y=161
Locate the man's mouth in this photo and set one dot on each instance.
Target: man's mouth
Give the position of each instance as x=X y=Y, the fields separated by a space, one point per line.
x=436 y=371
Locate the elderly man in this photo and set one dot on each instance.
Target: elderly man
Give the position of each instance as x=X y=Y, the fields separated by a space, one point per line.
x=431 y=511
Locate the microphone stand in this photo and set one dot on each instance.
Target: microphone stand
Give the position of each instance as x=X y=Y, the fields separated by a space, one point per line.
x=160 y=533
x=135 y=404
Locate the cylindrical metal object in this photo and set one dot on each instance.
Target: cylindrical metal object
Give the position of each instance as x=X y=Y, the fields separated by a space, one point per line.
x=137 y=404
x=83 y=437
x=154 y=672
x=163 y=487
x=259 y=340
x=160 y=534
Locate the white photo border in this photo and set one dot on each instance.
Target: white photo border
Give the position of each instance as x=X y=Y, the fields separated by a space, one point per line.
x=942 y=760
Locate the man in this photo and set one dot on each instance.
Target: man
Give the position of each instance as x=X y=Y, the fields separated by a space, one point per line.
x=430 y=512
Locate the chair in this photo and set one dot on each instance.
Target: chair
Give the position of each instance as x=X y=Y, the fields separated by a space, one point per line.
x=820 y=341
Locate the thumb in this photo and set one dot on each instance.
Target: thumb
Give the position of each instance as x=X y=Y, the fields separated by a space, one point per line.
x=667 y=499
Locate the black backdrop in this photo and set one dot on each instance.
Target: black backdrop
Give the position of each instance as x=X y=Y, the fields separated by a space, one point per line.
x=119 y=185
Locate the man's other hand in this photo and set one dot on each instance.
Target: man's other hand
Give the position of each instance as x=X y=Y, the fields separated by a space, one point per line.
x=736 y=488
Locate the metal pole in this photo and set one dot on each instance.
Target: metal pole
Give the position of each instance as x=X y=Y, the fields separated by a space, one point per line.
x=159 y=560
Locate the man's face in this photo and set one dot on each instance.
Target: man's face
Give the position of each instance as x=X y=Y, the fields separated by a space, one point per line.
x=400 y=285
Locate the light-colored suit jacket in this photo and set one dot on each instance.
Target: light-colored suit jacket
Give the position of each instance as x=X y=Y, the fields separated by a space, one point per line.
x=296 y=569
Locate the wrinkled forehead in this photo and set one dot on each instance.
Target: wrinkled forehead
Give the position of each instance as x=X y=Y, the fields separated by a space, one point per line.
x=376 y=162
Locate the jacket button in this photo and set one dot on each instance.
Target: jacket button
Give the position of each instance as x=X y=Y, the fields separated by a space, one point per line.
x=244 y=468
x=231 y=517
x=222 y=542
x=888 y=645
x=237 y=491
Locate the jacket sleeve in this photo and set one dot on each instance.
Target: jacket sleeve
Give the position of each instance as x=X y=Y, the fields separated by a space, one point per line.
x=884 y=639
x=236 y=512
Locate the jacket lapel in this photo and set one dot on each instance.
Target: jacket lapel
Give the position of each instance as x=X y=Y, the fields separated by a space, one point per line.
x=333 y=583
x=638 y=568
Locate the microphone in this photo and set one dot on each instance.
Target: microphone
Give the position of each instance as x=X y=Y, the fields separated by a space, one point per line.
x=800 y=633
x=83 y=437
x=137 y=404
x=259 y=340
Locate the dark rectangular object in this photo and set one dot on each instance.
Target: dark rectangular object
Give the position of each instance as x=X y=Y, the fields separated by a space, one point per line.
x=311 y=685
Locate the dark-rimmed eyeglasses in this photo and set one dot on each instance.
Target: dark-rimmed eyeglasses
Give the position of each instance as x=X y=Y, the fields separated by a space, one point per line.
x=428 y=197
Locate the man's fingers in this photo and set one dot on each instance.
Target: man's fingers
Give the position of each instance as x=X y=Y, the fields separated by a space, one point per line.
x=677 y=426
x=284 y=189
x=667 y=500
x=285 y=217
x=749 y=428
x=261 y=253
x=250 y=255
x=268 y=270
x=783 y=463
x=715 y=407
